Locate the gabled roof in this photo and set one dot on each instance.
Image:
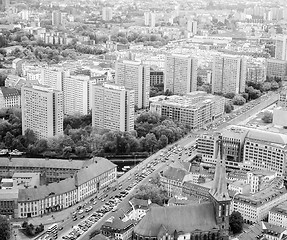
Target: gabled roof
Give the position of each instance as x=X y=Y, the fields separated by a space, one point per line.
x=9 y=92
x=185 y=218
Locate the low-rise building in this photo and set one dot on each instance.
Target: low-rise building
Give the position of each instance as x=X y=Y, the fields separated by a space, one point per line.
x=255 y=207
x=9 y=97
x=117 y=228
x=33 y=202
x=194 y=109
x=278 y=215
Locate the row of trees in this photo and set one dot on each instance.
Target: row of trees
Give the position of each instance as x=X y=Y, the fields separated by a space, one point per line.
x=81 y=140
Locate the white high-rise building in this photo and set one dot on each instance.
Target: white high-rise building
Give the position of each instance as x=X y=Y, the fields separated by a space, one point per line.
x=76 y=94
x=113 y=107
x=42 y=111
x=52 y=77
x=228 y=74
x=107 y=13
x=192 y=26
x=57 y=18
x=150 y=19
x=180 y=76
x=136 y=76
x=281 y=47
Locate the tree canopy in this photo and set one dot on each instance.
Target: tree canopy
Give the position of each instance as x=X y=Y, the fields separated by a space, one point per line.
x=236 y=222
x=5 y=230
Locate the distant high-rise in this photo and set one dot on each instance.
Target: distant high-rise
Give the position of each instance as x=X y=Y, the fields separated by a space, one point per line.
x=180 y=75
x=52 y=77
x=150 y=19
x=136 y=76
x=281 y=47
x=228 y=74
x=42 y=111
x=107 y=14
x=192 y=26
x=77 y=90
x=57 y=18
x=113 y=107
x=4 y=4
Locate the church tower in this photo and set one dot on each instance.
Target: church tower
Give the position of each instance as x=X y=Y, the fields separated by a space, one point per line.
x=219 y=194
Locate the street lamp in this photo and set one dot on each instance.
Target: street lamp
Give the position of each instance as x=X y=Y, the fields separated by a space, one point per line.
x=15 y=234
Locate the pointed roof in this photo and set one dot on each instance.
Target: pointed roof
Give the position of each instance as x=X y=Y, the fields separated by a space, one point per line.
x=219 y=190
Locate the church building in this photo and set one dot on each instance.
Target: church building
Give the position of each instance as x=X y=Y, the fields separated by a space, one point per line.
x=200 y=221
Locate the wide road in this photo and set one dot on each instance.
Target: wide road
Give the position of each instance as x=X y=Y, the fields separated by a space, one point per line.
x=129 y=178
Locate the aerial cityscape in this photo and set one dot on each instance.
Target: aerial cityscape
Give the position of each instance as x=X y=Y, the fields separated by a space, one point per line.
x=143 y=120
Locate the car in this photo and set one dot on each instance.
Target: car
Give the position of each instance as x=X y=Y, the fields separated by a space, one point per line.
x=75 y=218
x=95 y=202
x=60 y=228
x=83 y=216
x=81 y=211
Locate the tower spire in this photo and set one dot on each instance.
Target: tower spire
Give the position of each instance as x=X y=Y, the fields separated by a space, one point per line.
x=219 y=189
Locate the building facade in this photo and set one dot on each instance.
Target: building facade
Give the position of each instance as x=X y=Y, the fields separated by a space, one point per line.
x=281 y=47
x=113 y=107
x=56 y=196
x=180 y=74
x=135 y=76
x=228 y=74
x=194 y=109
x=9 y=97
x=276 y=68
x=42 y=111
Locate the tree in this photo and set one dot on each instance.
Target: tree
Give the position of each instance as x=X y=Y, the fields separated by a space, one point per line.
x=150 y=142
x=230 y=95
x=8 y=140
x=267 y=117
x=239 y=100
x=266 y=86
x=5 y=229
x=228 y=107
x=30 y=136
x=163 y=141
x=152 y=192
x=274 y=85
x=236 y=222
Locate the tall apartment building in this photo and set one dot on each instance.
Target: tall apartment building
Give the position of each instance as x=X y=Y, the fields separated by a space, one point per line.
x=277 y=68
x=57 y=18
x=107 y=13
x=42 y=111
x=113 y=107
x=194 y=109
x=150 y=19
x=256 y=73
x=136 y=76
x=192 y=26
x=228 y=74
x=156 y=77
x=77 y=94
x=9 y=97
x=180 y=76
x=52 y=77
x=281 y=47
